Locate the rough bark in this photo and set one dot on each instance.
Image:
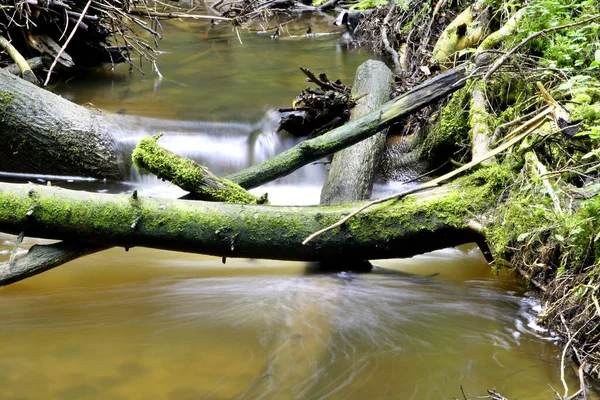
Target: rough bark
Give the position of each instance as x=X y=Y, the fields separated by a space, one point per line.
x=436 y=219
x=352 y=132
x=350 y=177
x=43 y=132
x=188 y=175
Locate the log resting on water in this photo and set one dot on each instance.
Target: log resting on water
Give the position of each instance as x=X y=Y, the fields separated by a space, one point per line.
x=420 y=223
x=43 y=133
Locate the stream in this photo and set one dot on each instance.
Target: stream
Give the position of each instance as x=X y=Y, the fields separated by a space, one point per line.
x=149 y=324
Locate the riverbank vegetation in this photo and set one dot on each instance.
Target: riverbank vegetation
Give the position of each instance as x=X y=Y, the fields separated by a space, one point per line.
x=522 y=126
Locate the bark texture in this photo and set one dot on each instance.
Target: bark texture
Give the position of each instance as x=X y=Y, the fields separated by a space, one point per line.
x=351 y=175
x=41 y=258
x=43 y=132
x=403 y=228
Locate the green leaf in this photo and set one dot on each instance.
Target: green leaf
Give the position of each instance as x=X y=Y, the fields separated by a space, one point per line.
x=560 y=238
x=597 y=56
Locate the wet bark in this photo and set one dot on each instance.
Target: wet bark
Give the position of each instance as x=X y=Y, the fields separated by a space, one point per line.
x=402 y=228
x=350 y=177
x=43 y=132
x=41 y=258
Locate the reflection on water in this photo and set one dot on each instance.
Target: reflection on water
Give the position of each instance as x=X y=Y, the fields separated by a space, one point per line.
x=154 y=324
x=210 y=76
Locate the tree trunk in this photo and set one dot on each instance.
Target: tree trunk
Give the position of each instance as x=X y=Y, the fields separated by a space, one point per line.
x=421 y=223
x=351 y=175
x=43 y=132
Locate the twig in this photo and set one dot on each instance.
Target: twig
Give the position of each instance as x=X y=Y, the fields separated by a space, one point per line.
x=237 y=32
x=170 y=15
x=62 y=49
x=502 y=59
x=386 y=43
x=317 y=81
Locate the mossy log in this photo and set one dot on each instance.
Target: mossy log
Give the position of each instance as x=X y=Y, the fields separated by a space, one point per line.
x=188 y=175
x=350 y=177
x=353 y=131
x=43 y=132
x=416 y=224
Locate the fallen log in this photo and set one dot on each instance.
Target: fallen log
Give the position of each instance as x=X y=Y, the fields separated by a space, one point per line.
x=43 y=132
x=350 y=177
x=416 y=224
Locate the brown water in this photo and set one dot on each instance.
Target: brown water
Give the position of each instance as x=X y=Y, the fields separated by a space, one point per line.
x=149 y=324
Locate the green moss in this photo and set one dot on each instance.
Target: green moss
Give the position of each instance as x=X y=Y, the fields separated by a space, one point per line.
x=188 y=175
x=6 y=99
x=467 y=196
x=588 y=113
x=451 y=131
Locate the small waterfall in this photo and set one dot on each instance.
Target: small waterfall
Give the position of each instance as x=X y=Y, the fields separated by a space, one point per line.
x=224 y=147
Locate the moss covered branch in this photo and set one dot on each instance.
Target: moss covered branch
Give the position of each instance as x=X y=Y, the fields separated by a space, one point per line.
x=352 y=132
x=417 y=224
x=188 y=175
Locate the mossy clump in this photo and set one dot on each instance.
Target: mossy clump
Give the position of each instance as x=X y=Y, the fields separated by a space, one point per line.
x=6 y=98
x=450 y=134
x=188 y=175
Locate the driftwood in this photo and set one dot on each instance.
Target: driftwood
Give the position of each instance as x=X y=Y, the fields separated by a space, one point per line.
x=350 y=177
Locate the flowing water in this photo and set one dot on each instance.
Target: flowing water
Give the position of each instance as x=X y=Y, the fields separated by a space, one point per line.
x=149 y=324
